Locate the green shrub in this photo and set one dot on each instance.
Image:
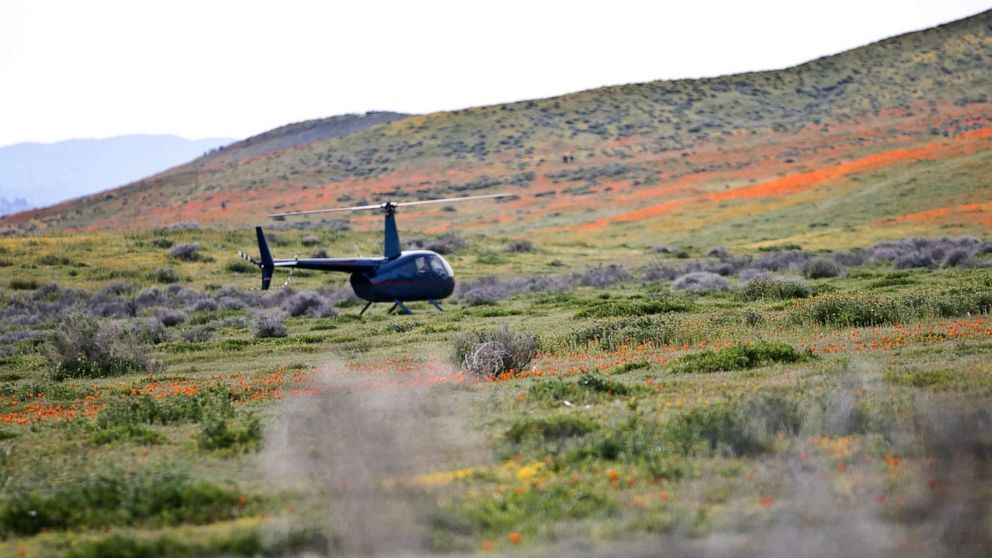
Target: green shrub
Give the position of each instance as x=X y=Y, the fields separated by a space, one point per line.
x=53 y=260
x=117 y=498
x=587 y=389
x=178 y=409
x=489 y=513
x=23 y=284
x=619 y=308
x=549 y=429
x=629 y=367
x=248 y=541
x=127 y=432
x=217 y=434
x=743 y=429
x=934 y=379
x=240 y=266
x=848 y=309
x=771 y=289
x=865 y=309
x=631 y=441
x=613 y=334
x=739 y=357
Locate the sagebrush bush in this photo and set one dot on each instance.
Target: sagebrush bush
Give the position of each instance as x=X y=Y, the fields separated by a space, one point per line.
x=310 y=240
x=151 y=331
x=701 y=282
x=495 y=351
x=489 y=290
x=197 y=334
x=165 y=275
x=309 y=303
x=926 y=252
x=821 y=268
x=603 y=276
x=782 y=260
x=170 y=317
x=189 y=251
x=85 y=347
x=268 y=324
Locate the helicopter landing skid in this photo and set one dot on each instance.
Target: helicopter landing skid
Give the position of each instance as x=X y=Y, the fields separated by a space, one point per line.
x=401 y=306
x=435 y=304
x=364 y=309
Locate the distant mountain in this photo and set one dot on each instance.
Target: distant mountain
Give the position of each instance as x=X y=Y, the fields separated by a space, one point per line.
x=15 y=206
x=55 y=172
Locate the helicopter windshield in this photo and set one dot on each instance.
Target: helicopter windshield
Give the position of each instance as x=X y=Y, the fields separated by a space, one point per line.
x=441 y=267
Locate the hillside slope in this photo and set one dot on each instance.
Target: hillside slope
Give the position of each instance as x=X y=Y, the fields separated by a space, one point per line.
x=889 y=139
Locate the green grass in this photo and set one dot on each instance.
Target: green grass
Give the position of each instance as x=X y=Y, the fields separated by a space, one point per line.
x=740 y=357
x=118 y=498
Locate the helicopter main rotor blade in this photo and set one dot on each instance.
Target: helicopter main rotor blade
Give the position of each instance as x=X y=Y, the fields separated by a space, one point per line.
x=356 y=208
x=446 y=200
x=387 y=204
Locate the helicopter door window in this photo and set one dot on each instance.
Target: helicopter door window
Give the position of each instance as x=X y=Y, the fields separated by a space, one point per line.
x=437 y=267
x=421 y=266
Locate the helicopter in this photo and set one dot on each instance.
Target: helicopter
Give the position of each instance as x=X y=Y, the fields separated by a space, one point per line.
x=398 y=276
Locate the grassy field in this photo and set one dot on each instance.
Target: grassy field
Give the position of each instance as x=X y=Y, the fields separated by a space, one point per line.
x=690 y=398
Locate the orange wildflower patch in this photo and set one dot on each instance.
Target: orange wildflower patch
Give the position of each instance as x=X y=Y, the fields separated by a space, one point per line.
x=937 y=213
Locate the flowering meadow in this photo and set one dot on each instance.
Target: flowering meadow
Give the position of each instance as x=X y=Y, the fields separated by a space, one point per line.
x=693 y=399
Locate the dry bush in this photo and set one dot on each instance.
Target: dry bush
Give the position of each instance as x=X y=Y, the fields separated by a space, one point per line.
x=268 y=324
x=309 y=303
x=495 y=351
x=170 y=317
x=189 y=251
x=85 y=347
x=603 y=276
x=821 y=268
x=700 y=282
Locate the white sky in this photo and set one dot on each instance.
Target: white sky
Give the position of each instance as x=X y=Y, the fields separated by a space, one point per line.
x=200 y=68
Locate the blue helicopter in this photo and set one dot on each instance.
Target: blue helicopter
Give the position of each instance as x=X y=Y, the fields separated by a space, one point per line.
x=398 y=276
